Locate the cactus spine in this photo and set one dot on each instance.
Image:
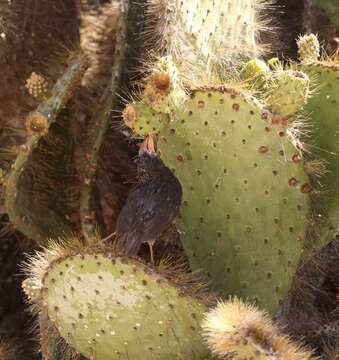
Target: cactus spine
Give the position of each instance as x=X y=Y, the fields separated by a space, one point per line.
x=9 y=351
x=204 y=36
x=240 y=331
x=308 y=48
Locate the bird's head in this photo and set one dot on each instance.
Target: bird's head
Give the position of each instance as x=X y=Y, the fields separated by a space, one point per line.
x=149 y=162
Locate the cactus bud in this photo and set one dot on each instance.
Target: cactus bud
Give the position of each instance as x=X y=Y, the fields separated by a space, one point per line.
x=289 y=92
x=36 y=85
x=308 y=48
x=256 y=72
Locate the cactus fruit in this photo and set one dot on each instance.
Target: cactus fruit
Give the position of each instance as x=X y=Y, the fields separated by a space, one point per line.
x=246 y=194
x=286 y=91
x=35 y=201
x=323 y=110
x=239 y=331
x=38 y=122
x=108 y=307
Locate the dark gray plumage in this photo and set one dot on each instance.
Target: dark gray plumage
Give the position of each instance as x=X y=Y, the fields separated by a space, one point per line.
x=152 y=204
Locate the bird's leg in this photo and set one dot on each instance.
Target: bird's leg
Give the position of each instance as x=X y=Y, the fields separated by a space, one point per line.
x=108 y=237
x=151 y=244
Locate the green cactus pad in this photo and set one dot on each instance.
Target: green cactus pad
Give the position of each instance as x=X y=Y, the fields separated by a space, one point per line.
x=212 y=22
x=323 y=110
x=143 y=119
x=205 y=35
x=245 y=192
x=289 y=91
x=114 y=308
x=36 y=203
x=39 y=195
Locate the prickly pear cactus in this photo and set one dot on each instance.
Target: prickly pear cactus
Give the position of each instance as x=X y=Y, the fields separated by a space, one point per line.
x=240 y=331
x=205 y=34
x=102 y=117
x=117 y=308
x=288 y=92
x=246 y=193
x=226 y=124
x=323 y=110
x=38 y=188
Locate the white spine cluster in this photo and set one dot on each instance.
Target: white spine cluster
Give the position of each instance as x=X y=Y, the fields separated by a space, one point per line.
x=240 y=331
x=209 y=33
x=308 y=48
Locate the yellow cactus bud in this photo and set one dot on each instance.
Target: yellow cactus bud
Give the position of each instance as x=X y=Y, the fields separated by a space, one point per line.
x=36 y=85
x=308 y=48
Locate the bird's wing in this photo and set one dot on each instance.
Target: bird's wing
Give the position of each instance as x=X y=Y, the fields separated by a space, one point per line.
x=149 y=210
x=130 y=223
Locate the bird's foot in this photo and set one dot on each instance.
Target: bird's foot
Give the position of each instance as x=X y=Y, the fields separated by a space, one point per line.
x=151 y=244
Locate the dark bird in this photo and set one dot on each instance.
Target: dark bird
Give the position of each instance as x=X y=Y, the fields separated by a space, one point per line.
x=152 y=204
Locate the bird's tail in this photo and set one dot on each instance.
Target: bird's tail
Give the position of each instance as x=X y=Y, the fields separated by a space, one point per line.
x=128 y=245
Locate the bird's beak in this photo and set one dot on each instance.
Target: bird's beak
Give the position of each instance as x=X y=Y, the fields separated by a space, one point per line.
x=149 y=145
